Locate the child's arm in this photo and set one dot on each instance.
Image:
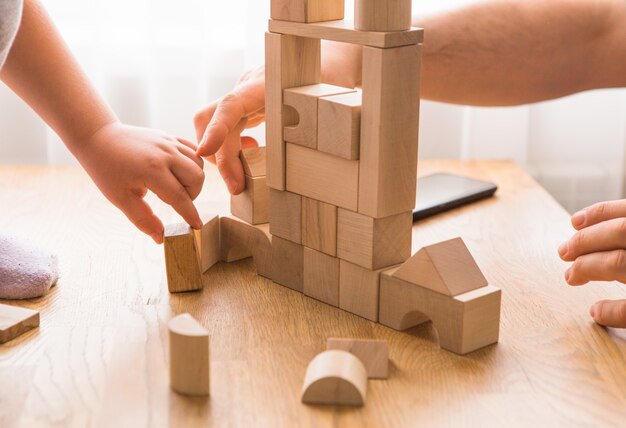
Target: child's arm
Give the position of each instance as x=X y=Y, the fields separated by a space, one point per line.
x=123 y=161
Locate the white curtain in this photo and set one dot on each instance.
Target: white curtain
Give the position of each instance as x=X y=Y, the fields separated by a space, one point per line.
x=158 y=61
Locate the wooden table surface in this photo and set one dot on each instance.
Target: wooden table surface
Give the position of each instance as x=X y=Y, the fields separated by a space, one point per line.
x=99 y=357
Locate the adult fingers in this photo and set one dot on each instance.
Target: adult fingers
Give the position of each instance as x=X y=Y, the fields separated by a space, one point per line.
x=248 y=143
x=172 y=192
x=185 y=142
x=228 y=162
x=605 y=236
x=598 y=213
x=189 y=175
x=202 y=119
x=609 y=313
x=603 y=266
x=140 y=214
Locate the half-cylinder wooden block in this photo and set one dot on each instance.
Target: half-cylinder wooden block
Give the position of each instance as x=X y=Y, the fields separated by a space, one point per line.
x=189 y=356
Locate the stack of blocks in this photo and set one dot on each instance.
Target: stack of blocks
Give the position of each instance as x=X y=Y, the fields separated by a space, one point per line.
x=337 y=180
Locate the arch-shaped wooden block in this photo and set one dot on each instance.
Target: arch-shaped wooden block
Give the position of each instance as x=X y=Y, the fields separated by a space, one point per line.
x=335 y=377
x=240 y=240
x=382 y=15
x=189 y=356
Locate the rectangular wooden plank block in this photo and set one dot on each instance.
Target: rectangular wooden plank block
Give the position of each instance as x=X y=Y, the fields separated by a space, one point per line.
x=374 y=354
x=253 y=160
x=319 y=226
x=287 y=263
x=343 y=31
x=339 y=125
x=321 y=276
x=181 y=259
x=252 y=205
x=307 y=10
x=289 y=61
x=15 y=321
x=304 y=100
x=208 y=241
x=323 y=177
x=373 y=243
x=359 y=290
x=286 y=215
x=389 y=130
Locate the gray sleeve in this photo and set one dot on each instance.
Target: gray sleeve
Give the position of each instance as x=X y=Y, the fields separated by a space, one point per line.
x=10 y=17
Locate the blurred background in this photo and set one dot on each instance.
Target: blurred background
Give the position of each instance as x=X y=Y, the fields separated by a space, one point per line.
x=157 y=62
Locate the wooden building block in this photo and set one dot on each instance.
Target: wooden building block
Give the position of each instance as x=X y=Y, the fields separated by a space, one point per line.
x=373 y=243
x=382 y=15
x=307 y=10
x=304 y=100
x=240 y=240
x=286 y=215
x=321 y=276
x=335 y=377
x=359 y=290
x=319 y=226
x=252 y=205
x=15 y=320
x=389 y=130
x=189 y=356
x=339 y=125
x=464 y=323
x=446 y=267
x=323 y=177
x=287 y=263
x=343 y=31
x=208 y=241
x=289 y=61
x=181 y=259
x=254 y=161
x=374 y=354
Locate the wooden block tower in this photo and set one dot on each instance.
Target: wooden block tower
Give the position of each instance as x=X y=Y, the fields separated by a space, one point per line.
x=337 y=179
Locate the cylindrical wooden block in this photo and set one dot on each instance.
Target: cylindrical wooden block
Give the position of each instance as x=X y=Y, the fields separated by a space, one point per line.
x=189 y=356
x=382 y=15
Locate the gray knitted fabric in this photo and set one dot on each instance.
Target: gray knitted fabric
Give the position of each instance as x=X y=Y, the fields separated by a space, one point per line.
x=10 y=17
x=26 y=271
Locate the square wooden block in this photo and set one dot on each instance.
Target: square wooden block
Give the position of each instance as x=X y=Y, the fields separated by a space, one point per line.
x=181 y=259
x=252 y=205
x=319 y=226
x=321 y=276
x=253 y=161
x=339 y=125
x=307 y=10
x=286 y=215
x=374 y=354
x=373 y=243
x=359 y=290
x=287 y=263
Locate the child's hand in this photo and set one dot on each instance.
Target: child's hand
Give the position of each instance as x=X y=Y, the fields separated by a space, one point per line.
x=598 y=251
x=125 y=162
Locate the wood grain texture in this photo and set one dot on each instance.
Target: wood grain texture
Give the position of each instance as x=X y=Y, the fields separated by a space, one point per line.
x=240 y=240
x=252 y=205
x=321 y=276
x=319 y=226
x=286 y=215
x=359 y=290
x=343 y=31
x=389 y=130
x=382 y=15
x=15 y=321
x=189 y=356
x=289 y=61
x=182 y=261
x=339 y=125
x=108 y=317
x=208 y=241
x=254 y=161
x=323 y=177
x=287 y=263
x=374 y=354
x=307 y=10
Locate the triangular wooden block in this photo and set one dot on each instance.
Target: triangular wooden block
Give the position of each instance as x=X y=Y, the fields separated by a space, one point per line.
x=447 y=268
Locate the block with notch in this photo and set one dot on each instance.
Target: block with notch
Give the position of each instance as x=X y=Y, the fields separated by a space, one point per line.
x=252 y=205
x=319 y=226
x=307 y=10
x=339 y=125
x=304 y=100
x=321 y=276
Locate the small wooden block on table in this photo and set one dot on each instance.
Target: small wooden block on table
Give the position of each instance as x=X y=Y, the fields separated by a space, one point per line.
x=15 y=320
x=189 y=356
x=359 y=290
x=307 y=10
x=321 y=276
x=182 y=261
x=339 y=125
x=374 y=354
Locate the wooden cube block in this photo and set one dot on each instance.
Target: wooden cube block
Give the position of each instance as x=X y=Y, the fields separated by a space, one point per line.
x=15 y=321
x=286 y=215
x=389 y=130
x=189 y=356
x=373 y=243
x=319 y=226
x=254 y=161
x=307 y=10
x=321 y=276
x=374 y=354
x=323 y=177
x=252 y=205
x=289 y=61
x=208 y=241
x=304 y=100
x=181 y=259
x=339 y=125
x=382 y=15
x=359 y=290
x=287 y=263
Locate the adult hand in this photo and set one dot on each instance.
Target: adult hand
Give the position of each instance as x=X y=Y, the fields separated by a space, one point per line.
x=598 y=253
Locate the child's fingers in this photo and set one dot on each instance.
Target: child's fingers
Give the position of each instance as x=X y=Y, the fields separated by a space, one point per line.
x=167 y=187
x=202 y=119
x=229 y=112
x=609 y=313
x=191 y=155
x=189 y=175
x=192 y=146
x=140 y=214
x=248 y=143
x=228 y=162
